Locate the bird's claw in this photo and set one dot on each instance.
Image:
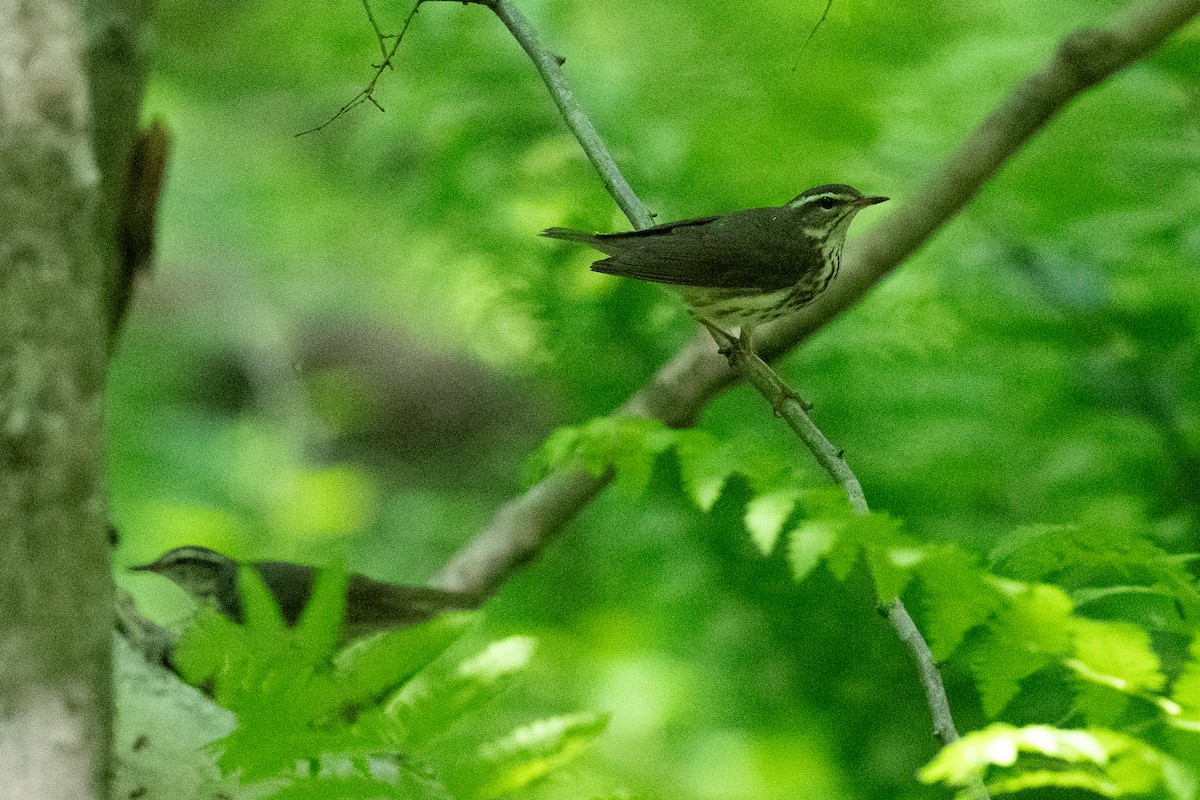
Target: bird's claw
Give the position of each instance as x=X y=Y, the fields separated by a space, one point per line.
x=727 y=345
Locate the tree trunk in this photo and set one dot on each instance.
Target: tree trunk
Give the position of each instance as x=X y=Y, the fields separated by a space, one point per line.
x=56 y=258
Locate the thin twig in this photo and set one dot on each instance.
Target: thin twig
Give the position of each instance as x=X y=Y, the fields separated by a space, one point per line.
x=789 y=406
x=380 y=35
x=549 y=66
x=811 y=34
x=367 y=95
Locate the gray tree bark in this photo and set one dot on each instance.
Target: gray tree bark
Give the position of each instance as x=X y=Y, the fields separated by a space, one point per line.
x=56 y=261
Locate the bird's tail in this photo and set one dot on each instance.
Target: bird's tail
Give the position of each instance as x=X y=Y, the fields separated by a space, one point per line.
x=571 y=235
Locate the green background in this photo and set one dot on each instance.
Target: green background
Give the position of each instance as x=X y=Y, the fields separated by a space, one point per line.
x=353 y=339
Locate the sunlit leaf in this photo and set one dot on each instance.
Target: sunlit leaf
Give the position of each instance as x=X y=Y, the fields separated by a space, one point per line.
x=1103 y=761
x=808 y=544
x=766 y=514
x=956 y=597
x=1115 y=654
x=530 y=752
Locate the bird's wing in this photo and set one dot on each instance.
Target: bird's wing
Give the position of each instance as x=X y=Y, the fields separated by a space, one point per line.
x=371 y=601
x=754 y=250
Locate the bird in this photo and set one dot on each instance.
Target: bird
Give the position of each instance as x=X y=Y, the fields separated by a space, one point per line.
x=212 y=578
x=737 y=271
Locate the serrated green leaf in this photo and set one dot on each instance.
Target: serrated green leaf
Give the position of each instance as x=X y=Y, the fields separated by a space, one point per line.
x=892 y=568
x=827 y=502
x=956 y=597
x=320 y=625
x=1115 y=654
x=555 y=451
x=372 y=666
x=262 y=615
x=1101 y=760
x=201 y=651
x=703 y=468
x=628 y=446
x=890 y=556
x=766 y=513
x=530 y=752
x=1076 y=556
x=808 y=544
x=1033 y=631
x=844 y=553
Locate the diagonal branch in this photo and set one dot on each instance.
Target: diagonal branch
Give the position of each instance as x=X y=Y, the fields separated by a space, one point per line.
x=679 y=391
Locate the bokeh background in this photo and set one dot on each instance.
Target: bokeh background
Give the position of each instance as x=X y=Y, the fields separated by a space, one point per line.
x=353 y=340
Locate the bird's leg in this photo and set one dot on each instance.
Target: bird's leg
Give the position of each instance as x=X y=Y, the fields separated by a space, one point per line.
x=732 y=347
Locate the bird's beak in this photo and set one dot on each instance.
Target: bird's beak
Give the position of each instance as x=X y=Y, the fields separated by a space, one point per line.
x=144 y=567
x=870 y=201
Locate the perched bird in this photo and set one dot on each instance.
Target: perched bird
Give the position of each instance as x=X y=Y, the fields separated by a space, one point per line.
x=371 y=605
x=742 y=269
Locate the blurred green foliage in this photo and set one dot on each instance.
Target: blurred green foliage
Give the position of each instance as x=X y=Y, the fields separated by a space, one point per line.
x=354 y=340
x=385 y=716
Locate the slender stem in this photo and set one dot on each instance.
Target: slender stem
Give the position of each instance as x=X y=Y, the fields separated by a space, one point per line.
x=789 y=406
x=549 y=66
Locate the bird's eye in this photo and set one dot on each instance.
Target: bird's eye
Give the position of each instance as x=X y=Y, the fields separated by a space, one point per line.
x=826 y=203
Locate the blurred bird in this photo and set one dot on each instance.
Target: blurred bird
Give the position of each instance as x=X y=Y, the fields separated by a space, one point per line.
x=371 y=606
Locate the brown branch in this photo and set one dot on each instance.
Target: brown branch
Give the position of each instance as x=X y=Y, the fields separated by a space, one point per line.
x=682 y=387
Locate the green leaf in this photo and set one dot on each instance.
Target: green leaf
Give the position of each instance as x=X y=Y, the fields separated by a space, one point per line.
x=530 y=752
x=1078 y=556
x=374 y=665
x=201 y=652
x=956 y=596
x=1033 y=631
x=1186 y=692
x=320 y=624
x=703 y=467
x=1102 y=761
x=766 y=513
x=262 y=615
x=892 y=569
x=629 y=446
x=433 y=701
x=554 y=452
x=890 y=556
x=809 y=543
x=1115 y=654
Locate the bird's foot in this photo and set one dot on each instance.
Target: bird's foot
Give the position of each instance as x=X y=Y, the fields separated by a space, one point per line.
x=727 y=344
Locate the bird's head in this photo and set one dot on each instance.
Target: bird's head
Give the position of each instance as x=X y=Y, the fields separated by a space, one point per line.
x=826 y=211
x=200 y=572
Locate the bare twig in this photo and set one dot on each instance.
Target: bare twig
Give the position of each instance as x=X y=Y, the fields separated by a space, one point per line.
x=549 y=66
x=367 y=95
x=812 y=33
x=379 y=34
